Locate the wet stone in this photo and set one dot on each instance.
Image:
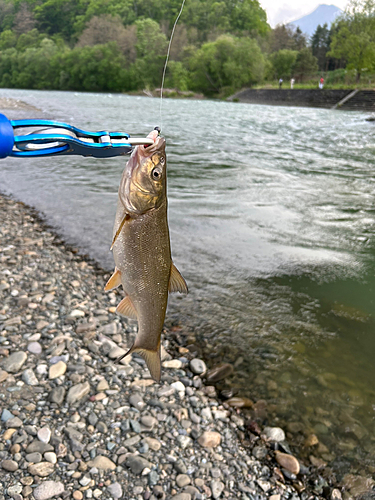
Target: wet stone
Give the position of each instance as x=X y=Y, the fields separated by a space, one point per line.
x=275 y=434
x=219 y=373
x=288 y=462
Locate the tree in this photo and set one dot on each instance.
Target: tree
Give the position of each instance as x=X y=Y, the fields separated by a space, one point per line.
x=226 y=65
x=320 y=42
x=306 y=64
x=58 y=16
x=354 y=40
x=24 y=20
x=285 y=37
x=106 y=28
x=283 y=63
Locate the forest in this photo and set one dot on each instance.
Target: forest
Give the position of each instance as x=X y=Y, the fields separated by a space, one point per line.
x=218 y=47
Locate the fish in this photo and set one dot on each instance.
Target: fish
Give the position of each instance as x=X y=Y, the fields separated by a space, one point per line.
x=142 y=250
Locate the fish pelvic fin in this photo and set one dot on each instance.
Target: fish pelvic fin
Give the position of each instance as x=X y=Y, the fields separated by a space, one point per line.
x=152 y=359
x=126 y=308
x=176 y=281
x=114 y=281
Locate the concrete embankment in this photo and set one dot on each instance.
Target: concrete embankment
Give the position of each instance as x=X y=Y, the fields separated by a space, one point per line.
x=363 y=100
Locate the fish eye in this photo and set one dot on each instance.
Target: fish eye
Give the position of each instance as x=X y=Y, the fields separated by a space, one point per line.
x=156 y=173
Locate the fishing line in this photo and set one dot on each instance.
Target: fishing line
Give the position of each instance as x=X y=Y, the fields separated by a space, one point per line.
x=166 y=60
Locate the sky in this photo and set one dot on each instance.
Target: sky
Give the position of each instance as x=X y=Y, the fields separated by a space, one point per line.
x=283 y=11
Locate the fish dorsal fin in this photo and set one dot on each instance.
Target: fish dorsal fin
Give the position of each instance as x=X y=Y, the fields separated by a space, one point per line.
x=152 y=359
x=114 y=281
x=126 y=308
x=176 y=281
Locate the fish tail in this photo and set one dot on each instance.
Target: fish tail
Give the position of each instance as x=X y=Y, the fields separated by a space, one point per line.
x=152 y=359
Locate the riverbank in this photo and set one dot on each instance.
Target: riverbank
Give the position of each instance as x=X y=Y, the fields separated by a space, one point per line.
x=74 y=423
x=348 y=100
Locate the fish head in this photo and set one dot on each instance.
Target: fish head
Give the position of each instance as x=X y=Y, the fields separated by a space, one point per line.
x=144 y=182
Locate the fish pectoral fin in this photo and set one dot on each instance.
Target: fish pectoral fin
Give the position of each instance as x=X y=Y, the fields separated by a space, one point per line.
x=126 y=308
x=176 y=281
x=152 y=359
x=126 y=217
x=114 y=281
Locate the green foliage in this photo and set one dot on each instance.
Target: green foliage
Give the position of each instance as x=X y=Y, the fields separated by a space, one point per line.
x=58 y=16
x=283 y=63
x=305 y=65
x=226 y=64
x=320 y=43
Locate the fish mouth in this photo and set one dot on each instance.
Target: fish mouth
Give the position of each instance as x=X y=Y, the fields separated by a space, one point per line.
x=150 y=149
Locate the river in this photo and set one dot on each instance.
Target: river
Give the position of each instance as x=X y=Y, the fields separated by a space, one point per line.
x=271 y=213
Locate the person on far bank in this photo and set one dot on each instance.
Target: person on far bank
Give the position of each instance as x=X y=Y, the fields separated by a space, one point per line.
x=292 y=83
x=321 y=83
x=280 y=83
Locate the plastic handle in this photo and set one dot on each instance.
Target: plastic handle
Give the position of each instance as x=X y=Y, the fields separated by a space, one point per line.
x=6 y=136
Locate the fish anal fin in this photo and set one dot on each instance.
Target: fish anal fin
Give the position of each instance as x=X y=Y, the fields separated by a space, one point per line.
x=152 y=359
x=176 y=281
x=114 y=281
x=126 y=308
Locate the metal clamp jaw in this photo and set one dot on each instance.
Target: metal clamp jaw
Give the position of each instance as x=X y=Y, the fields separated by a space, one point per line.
x=55 y=138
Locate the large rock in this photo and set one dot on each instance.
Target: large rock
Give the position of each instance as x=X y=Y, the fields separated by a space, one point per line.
x=15 y=361
x=77 y=392
x=210 y=439
x=47 y=490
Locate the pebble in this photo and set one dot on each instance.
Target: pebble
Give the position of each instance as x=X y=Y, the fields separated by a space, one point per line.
x=172 y=363
x=136 y=400
x=217 y=488
x=44 y=434
x=6 y=415
x=178 y=386
x=115 y=490
x=275 y=434
x=14 y=423
x=34 y=348
x=50 y=456
x=15 y=362
x=102 y=463
x=3 y=375
x=48 y=489
x=29 y=377
x=289 y=462
x=42 y=469
x=9 y=465
x=153 y=443
x=182 y=496
x=210 y=439
x=198 y=366
x=137 y=463
x=182 y=480
x=57 y=395
x=77 y=495
x=77 y=392
x=57 y=370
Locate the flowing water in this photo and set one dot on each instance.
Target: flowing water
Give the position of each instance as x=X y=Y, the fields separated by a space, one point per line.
x=271 y=214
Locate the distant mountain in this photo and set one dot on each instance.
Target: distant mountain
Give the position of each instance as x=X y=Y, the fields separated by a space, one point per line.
x=321 y=15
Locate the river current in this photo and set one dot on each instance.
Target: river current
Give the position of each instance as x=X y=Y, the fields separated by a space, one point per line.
x=271 y=212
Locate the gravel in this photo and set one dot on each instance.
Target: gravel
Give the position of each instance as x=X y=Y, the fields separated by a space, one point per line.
x=74 y=423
